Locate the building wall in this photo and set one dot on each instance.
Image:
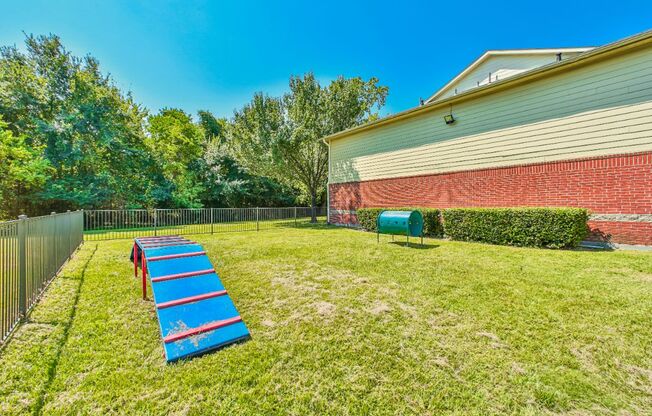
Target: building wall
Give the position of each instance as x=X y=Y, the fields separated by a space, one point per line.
x=616 y=189
x=582 y=138
x=597 y=110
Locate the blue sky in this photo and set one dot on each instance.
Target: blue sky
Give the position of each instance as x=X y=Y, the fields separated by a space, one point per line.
x=214 y=55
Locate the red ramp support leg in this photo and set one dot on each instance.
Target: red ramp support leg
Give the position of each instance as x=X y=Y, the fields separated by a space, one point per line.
x=143 y=266
x=135 y=260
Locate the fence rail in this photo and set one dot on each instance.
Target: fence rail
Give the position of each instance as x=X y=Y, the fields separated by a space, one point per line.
x=32 y=251
x=123 y=224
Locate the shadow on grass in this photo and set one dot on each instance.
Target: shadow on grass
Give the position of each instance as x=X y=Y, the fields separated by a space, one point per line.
x=315 y=225
x=199 y=354
x=414 y=245
x=52 y=370
x=592 y=248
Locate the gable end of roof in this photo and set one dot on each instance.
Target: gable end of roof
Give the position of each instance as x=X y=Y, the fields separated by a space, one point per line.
x=501 y=52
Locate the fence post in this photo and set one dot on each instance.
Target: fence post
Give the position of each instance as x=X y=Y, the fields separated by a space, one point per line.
x=22 y=266
x=69 y=227
x=257 y=223
x=211 y=220
x=155 y=221
x=83 y=221
x=295 y=216
x=55 y=239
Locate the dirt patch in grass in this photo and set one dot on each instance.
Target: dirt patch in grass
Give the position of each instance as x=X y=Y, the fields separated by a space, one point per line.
x=640 y=378
x=584 y=356
x=325 y=309
x=380 y=308
x=646 y=277
x=292 y=281
x=268 y=323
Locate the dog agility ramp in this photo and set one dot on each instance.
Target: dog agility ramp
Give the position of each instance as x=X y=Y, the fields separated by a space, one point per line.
x=195 y=312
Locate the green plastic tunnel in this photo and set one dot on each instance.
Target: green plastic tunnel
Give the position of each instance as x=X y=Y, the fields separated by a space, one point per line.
x=401 y=223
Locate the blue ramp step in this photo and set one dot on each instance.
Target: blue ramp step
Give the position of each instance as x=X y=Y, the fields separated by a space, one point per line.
x=194 y=310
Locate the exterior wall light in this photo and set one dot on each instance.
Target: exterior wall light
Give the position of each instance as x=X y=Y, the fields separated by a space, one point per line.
x=449 y=119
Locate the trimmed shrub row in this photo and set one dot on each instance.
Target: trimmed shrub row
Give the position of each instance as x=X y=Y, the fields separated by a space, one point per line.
x=527 y=227
x=532 y=227
x=432 y=226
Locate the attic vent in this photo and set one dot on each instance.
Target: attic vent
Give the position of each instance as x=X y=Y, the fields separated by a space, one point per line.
x=558 y=56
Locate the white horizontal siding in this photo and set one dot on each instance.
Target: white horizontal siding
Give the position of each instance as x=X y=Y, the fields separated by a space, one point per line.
x=601 y=109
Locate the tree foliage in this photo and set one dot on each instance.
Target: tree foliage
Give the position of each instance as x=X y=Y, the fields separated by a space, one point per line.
x=229 y=185
x=213 y=127
x=279 y=137
x=89 y=132
x=22 y=170
x=70 y=139
x=177 y=144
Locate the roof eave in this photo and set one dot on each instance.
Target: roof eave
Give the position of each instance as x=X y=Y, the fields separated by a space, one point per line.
x=466 y=70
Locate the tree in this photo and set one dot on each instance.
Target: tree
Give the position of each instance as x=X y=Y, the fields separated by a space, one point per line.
x=177 y=144
x=88 y=130
x=279 y=137
x=23 y=172
x=225 y=182
x=213 y=127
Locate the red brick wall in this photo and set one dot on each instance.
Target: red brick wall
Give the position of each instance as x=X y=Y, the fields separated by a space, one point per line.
x=619 y=184
x=621 y=232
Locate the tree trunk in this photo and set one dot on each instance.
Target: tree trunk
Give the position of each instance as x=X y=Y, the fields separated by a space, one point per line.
x=313 y=203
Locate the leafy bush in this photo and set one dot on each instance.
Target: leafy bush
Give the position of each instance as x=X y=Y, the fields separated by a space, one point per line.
x=532 y=227
x=432 y=226
x=367 y=217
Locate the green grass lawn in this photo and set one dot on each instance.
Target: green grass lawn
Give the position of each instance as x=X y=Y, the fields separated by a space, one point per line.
x=342 y=325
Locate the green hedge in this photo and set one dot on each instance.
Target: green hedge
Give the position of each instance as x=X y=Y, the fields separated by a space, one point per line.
x=533 y=227
x=432 y=226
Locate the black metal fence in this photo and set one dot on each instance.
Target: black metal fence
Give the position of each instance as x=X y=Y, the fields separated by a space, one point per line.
x=132 y=223
x=32 y=251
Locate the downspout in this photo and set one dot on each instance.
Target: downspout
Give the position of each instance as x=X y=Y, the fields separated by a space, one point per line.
x=328 y=183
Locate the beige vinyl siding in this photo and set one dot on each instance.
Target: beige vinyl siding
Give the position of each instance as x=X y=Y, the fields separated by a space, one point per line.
x=601 y=109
